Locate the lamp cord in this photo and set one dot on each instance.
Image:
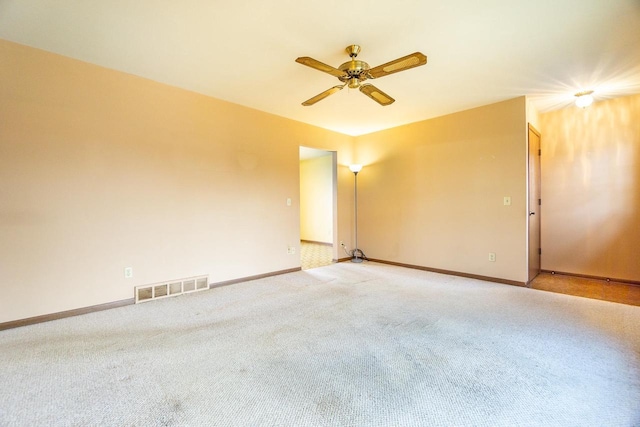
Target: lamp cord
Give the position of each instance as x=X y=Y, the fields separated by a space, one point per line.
x=352 y=253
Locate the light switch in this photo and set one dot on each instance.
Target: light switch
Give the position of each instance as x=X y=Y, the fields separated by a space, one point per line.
x=507 y=201
x=288 y=201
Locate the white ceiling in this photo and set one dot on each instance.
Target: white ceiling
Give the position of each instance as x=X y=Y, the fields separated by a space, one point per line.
x=243 y=51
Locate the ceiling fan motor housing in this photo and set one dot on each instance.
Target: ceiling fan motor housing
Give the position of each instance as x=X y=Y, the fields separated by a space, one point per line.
x=356 y=72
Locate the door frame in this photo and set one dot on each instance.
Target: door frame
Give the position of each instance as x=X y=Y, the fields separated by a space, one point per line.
x=334 y=197
x=534 y=192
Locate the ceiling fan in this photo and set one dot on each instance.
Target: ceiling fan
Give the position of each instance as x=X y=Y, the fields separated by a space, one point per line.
x=354 y=72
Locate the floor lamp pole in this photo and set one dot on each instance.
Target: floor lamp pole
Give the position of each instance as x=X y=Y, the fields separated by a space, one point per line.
x=356 y=252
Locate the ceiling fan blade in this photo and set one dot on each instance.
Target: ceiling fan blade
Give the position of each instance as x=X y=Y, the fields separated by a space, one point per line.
x=310 y=62
x=322 y=95
x=416 y=59
x=376 y=94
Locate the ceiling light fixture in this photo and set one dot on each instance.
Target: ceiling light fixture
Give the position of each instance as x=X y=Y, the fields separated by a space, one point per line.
x=584 y=98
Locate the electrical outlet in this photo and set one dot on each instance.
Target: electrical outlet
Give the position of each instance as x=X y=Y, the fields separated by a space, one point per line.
x=492 y=256
x=128 y=272
x=291 y=250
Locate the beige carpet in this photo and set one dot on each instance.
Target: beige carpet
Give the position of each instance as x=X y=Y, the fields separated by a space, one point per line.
x=343 y=345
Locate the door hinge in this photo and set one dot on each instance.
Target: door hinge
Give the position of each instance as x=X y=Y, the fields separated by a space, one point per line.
x=539 y=152
x=539 y=251
x=539 y=202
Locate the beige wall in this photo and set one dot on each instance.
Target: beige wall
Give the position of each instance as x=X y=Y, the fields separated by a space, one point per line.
x=316 y=199
x=591 y=189
x=431 y=193
x=101 y=170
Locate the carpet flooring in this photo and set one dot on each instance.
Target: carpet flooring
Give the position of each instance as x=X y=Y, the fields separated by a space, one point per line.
x=342 y=345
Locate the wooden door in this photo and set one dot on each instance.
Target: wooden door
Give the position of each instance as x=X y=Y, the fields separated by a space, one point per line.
x=534 y=203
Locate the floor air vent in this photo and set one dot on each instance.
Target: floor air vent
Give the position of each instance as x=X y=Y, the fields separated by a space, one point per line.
x=170 y=289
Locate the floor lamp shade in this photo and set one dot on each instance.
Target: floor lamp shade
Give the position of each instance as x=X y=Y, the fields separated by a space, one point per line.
x=355 y=168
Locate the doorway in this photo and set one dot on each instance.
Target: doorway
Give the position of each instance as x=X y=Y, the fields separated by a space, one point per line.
x=535 y=203
x=318 y=210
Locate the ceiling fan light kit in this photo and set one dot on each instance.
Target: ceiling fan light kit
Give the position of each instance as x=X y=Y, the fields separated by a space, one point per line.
x=584 y=98
x=354 y=72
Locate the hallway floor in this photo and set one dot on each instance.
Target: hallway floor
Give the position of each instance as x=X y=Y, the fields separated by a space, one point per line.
x=623 y=293
x=314 y=255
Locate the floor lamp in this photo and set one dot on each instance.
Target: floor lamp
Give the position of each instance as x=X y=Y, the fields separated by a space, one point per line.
x=357 y=254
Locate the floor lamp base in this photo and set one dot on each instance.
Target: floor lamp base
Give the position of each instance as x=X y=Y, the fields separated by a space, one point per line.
x=357 y=255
